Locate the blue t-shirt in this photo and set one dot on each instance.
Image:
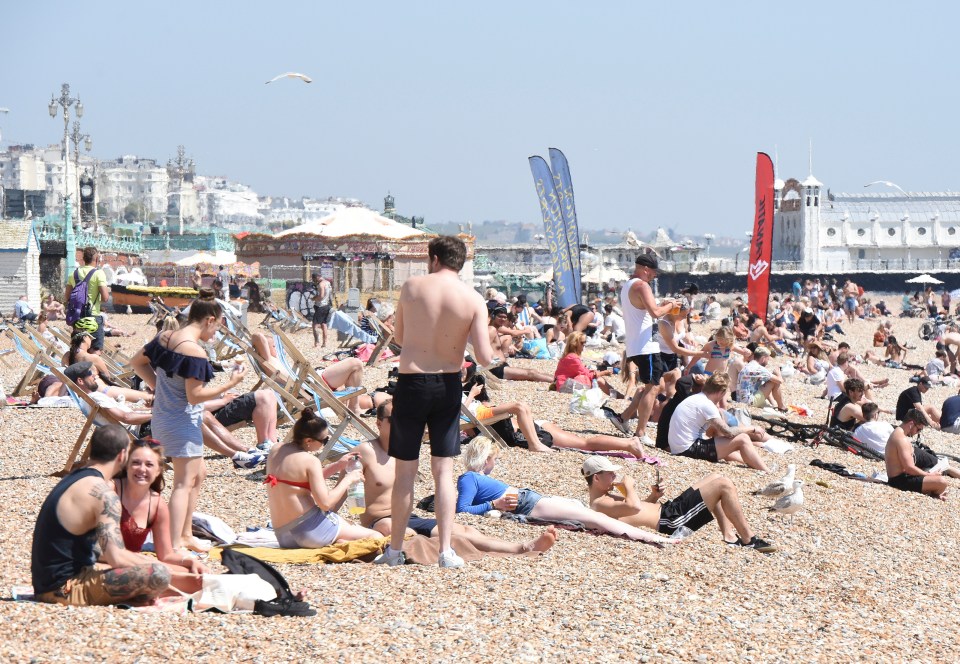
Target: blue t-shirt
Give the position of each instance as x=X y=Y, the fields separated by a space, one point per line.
x=951 y=411
x=797 y=288
x=476 y=492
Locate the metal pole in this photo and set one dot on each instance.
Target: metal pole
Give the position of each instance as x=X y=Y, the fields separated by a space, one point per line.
x=70 y=238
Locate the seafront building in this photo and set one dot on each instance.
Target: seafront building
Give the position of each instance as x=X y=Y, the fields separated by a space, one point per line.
x=820 y=232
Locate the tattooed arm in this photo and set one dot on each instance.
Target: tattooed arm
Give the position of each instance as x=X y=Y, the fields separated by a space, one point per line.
x=110 y=547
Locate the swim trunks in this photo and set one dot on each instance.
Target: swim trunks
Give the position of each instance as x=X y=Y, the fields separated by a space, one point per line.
x=425 y=401
x=906 y=482
x=704 y=449
x=686 y=510
x=649 y=368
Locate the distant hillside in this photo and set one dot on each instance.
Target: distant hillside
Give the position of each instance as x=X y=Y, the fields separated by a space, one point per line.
x=511 y=232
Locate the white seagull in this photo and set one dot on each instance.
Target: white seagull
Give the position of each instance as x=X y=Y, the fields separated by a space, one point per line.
x=291 y=74
x=781 y=487
x=791 y=503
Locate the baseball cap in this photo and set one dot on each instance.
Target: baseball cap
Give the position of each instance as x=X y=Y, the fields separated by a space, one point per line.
x=924 y=380
x=808 y=310
x=598 y=464
x=646 y=260
x=78 y=370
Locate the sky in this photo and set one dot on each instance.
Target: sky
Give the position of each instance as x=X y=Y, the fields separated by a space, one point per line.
x=659 y=107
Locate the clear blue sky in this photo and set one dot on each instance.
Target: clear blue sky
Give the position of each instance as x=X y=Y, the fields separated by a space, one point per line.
x=660 y=107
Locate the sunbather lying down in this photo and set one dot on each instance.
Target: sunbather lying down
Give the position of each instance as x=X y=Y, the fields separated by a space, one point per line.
x=478 y=493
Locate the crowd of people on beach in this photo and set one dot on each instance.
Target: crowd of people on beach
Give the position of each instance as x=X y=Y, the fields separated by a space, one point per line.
x=683 y=368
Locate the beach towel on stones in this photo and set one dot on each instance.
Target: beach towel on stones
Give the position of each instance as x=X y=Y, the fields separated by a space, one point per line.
x=344 y=552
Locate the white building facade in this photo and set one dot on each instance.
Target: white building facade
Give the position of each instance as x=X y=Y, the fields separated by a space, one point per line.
x=817 y=231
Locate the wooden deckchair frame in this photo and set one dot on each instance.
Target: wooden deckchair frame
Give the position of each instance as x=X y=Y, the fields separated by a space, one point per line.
x=28 y=348
x=81 y=451
x=384 y=339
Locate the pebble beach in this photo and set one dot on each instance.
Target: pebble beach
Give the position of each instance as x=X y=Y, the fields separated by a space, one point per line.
x=864 y=572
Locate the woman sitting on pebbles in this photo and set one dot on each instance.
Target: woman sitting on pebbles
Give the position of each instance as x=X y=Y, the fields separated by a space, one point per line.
x=302 y=509
x=144 y=512
x=571 y=367
x=478 y=493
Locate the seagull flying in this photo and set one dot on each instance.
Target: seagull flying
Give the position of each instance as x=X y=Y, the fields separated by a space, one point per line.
x=790 y=503
x=291 y=74
x=4 y=110
x=781 y=487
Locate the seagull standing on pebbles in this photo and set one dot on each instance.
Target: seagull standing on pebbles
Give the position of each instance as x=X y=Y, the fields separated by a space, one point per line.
x=291 y=74
x=781 y=487
x=791 y=503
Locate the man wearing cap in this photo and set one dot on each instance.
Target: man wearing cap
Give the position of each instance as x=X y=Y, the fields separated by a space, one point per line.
x=640 y=313
x=527 y=318
x=809 y=325
x=912 y=398
x=714 y=497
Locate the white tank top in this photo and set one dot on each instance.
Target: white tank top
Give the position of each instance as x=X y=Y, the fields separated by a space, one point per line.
x=639 y=322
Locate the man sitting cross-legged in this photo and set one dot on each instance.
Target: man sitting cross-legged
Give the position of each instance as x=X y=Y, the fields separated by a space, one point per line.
x=78 y=523
x=712 y=497
x=902 y=470
x=378 y=477
x=698 y=430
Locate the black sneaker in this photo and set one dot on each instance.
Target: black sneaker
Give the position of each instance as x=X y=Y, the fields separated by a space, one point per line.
x=756 y=543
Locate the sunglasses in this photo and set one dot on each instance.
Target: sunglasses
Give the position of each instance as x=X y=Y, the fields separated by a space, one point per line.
x=152 y=442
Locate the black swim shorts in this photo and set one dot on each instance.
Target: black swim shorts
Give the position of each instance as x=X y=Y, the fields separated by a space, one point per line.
x=649 y=368
x=425 y=401
x=687 y=509
x=498 y=370
x=238 y=410
x=670 y=361
x=906 y=482
x=421 y=526
x=321 y=314
x=704 y=449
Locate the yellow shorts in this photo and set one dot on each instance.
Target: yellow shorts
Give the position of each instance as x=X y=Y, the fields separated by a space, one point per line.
x=85 y=589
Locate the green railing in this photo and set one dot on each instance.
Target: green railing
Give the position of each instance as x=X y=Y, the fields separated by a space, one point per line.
x=53 y=231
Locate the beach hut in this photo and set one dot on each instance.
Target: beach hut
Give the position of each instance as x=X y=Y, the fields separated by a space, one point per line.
x=19 y=265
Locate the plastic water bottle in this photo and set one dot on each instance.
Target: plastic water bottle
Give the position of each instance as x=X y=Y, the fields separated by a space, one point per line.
x=356 y=502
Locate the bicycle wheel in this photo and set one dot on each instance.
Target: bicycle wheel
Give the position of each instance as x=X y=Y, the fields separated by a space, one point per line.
x=927 y=331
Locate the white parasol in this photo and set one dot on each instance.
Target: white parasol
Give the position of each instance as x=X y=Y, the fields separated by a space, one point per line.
x=924 y=279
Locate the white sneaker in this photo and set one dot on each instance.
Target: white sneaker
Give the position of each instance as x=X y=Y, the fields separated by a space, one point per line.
x=266 y=446
x=648 y=441
x=246 y=460
x=450 y=559
x=391 y=558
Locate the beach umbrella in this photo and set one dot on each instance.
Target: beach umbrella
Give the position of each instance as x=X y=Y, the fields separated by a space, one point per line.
x=924 y=279
x=545 y=277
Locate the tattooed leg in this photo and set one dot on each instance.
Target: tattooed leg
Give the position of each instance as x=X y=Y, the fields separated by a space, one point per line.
x=146 y=581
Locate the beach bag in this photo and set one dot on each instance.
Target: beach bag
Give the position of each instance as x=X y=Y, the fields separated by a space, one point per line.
x=77 y=305
x=588 y=402
x=228 y=592
x=536 y=348
x=283 y=602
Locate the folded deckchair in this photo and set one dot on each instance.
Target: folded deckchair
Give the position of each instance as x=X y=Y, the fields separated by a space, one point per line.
x=27 y=348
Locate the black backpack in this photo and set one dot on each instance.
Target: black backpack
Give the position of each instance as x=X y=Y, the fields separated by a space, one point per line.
x=286 y=603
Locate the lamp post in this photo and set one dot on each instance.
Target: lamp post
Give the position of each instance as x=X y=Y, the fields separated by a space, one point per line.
x=77 y=137
x=180 y=167
x=65 y=101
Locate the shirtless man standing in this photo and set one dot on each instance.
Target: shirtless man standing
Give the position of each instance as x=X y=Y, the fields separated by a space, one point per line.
x=851 y=293
x=436 y=315
x=902 y=470
x=378 y=478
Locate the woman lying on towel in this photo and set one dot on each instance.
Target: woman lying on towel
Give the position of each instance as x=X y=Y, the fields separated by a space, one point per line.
x=478 y=493
x=534 y=438
x=302 y=509
x=143 y=511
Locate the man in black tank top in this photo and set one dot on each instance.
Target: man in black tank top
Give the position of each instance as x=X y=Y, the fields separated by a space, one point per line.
x=67 y=546
x=847 y=412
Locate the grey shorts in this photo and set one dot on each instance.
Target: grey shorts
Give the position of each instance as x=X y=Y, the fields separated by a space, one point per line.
x=314 y=529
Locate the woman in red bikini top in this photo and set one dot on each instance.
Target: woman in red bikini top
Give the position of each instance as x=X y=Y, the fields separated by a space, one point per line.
x=143 y=511
x=296 y=482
